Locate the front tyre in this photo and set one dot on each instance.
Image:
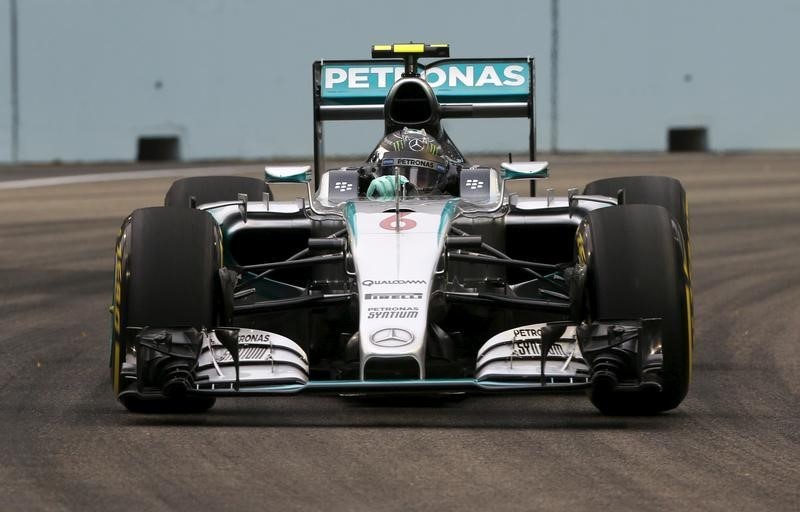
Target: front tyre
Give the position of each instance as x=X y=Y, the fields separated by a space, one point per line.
x=165 y=276
x=635 y=270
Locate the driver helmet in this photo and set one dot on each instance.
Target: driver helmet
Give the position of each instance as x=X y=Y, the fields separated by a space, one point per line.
x=415 y=155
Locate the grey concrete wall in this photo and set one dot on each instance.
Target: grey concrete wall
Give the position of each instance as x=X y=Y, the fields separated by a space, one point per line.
x=5 y=82
x=232 y=78
x=229 y=77
x=631 y=69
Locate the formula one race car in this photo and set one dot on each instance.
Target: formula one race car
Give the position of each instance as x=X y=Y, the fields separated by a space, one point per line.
x=411 y=272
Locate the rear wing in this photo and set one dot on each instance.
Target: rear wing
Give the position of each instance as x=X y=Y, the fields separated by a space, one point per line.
x=479 y=88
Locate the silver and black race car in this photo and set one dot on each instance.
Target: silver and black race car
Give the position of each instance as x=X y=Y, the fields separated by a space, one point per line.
x=413 y=271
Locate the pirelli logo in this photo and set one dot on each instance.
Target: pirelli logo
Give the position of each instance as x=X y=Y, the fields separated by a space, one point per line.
x=393 y=296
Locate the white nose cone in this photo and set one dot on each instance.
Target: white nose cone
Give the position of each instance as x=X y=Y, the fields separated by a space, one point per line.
x=395 y=259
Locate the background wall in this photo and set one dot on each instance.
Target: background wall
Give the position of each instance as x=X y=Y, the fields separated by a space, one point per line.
x=232 y=78
x=5 y=82
x=630 y=69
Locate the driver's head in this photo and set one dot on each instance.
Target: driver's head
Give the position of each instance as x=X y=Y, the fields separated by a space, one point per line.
x=416 y=156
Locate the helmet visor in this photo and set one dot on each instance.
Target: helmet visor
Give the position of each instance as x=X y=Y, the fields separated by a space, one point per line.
x=425 y=175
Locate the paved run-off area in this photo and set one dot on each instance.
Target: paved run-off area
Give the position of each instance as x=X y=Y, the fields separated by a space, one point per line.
x=733 y=444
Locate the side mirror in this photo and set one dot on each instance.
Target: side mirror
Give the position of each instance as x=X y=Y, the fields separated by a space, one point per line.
x=525 y=170
x=288 y=174
x=479 y=185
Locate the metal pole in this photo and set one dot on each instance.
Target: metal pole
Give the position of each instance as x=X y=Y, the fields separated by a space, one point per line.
x=532 y=113
x=14 y=81
x=554 y=76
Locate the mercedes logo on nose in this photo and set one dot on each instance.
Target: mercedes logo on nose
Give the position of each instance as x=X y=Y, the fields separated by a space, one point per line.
x=416 y=144
x=392 y=337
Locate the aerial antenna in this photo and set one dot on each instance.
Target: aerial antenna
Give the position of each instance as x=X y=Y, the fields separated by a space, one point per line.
x=410 y=52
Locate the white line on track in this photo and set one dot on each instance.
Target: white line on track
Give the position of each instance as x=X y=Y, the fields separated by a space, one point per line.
x=122 y=176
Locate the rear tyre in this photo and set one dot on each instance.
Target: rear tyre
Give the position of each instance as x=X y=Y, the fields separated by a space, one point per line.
x=635 y=269
x=212 y=189
x=166 y=275
x=658 y=190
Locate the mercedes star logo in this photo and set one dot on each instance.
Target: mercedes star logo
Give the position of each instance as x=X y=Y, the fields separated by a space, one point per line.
x=416 y=144
x=392 y=337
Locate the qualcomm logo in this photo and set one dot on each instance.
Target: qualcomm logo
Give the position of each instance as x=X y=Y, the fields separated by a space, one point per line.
x=370 y=282
x=391 y=337
x=472 y=75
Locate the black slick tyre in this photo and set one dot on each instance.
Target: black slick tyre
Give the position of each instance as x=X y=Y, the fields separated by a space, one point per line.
x=167 y=262
x=212 y=189
x=635 y=270
x=659 y=190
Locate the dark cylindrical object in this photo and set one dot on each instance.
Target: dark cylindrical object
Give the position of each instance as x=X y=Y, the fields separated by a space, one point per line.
x=326 y=244
x=464 y=242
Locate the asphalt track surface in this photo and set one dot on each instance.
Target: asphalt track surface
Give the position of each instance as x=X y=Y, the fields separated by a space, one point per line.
x=732 y=445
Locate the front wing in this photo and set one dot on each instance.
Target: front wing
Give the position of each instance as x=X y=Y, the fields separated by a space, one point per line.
x=248 y=362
